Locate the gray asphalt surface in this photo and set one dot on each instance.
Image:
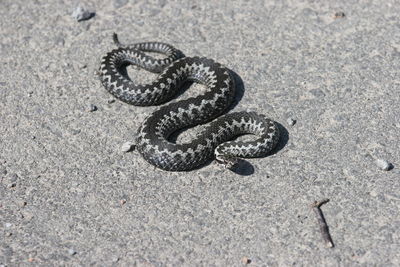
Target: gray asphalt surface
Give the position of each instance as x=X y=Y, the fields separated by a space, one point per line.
x=70 y=196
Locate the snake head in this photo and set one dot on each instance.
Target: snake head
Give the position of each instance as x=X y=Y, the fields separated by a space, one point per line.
x=229 y=162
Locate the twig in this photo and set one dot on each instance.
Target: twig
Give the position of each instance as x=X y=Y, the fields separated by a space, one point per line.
x=316 y=206
x=116 y=41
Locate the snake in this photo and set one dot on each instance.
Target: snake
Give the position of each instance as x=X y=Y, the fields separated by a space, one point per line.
x=218 y=139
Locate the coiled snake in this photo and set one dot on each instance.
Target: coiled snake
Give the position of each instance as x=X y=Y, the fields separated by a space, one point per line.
x=175 y=69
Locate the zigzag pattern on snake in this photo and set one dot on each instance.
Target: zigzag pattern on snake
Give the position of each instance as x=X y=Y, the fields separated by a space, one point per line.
x=175 y=69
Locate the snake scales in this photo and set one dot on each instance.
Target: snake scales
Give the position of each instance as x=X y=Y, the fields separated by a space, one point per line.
x=175 y=69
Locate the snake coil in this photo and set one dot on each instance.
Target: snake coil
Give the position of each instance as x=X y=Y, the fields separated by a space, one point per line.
x=175 y=69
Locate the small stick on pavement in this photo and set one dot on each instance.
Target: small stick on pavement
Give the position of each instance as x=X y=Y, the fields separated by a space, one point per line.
x=116 y=41
x=322 y=223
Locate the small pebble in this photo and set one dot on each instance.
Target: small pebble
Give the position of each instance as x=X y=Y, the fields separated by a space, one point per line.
x=383 y=164
x=75 y=132
x=119 y=3
x=22 y=203
x=8 y=234
x=97 y=73
x=11 y=185
x=373 y=194
x=7 y=225
x=123 y=201
x=71 y=252
x=246 y=260
x=291 y=121
x=59 y=41
x=92 y=108
x=81 y=14
x=111 y=100
x=27 y=216
x=317 y=92
x=126 y=147
x=339 y=15
x=31 y=259
x=14 y=177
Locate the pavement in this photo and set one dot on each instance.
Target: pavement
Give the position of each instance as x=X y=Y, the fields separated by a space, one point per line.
x=327 y=71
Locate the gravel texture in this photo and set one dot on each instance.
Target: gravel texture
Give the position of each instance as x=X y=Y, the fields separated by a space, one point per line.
x=338 y=76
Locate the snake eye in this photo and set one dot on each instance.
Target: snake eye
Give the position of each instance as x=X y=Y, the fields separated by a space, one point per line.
x=229 y=162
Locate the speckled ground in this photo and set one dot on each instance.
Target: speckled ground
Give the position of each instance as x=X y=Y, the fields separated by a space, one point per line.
x=70 y=196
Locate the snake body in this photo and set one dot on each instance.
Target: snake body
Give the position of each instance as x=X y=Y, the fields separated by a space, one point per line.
x=175 y=69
